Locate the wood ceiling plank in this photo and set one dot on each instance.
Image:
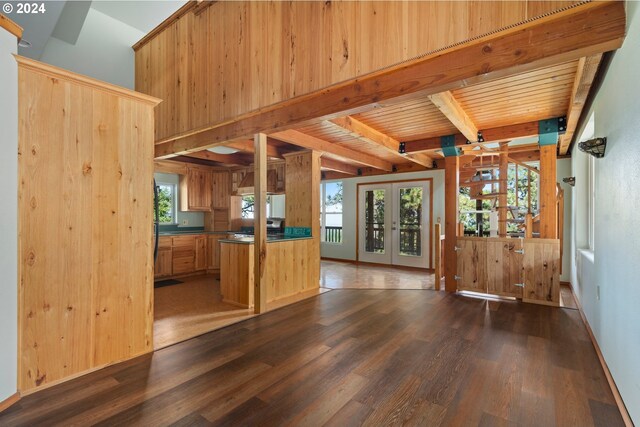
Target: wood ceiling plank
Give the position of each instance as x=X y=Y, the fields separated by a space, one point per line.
x=584 y=30
x=307 y=141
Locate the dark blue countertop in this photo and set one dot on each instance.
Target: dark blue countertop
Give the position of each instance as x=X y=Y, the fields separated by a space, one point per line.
x=188 y=232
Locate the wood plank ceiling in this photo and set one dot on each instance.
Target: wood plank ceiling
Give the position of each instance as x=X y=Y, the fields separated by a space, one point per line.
x=535 y=95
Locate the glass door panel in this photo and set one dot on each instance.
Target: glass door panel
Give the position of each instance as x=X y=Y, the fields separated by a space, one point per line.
x=411 y=226
x=375 y=223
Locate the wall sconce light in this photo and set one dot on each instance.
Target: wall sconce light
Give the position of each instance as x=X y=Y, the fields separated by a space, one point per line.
x=595 y=147
x=571 y=180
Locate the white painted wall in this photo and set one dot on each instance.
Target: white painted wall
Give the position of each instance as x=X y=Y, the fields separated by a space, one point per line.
x=102 y=51
x=347 y=250
x=614 y=265
x=8 y=216
x=564 y=171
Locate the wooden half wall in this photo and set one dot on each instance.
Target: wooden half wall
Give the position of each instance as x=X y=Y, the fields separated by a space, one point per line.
x=85 y=224
x=215 y=63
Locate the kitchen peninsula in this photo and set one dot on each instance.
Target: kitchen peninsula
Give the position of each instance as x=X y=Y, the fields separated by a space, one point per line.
x=290 y=268
x=292 y=261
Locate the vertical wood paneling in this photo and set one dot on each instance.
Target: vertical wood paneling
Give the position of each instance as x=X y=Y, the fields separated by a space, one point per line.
x=238 y=56
x=86 y=166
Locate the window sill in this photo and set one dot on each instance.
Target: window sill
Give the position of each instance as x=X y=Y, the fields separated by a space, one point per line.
x=332 y=243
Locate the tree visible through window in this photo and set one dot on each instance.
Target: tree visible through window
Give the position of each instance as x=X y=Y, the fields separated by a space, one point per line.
x=167 y=203
x=248 y=204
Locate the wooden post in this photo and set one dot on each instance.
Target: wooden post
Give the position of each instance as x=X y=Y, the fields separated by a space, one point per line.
x=528 y=225
x=437 y=250
x=451 y=195
x=547 y=192
x=529 y=191
x=260 y=223
x=502 y=198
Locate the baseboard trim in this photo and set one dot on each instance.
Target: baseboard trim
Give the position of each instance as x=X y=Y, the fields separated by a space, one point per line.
x=5 y=404
x=612 y=384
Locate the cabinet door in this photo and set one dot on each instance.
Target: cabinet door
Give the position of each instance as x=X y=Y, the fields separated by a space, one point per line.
x=504 y=267
x=196 y=190
x=163 y=266
x=472 y=264
x=213 y=254
x=541 y=271
x=221 y=190
x=200 y=253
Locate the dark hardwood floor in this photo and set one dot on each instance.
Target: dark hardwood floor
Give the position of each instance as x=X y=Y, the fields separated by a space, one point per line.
x=352 y=357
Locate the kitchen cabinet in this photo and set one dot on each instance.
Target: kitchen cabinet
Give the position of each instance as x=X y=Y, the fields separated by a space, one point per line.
x=163 y=266
x=213 y=252
x=200 y=253
x=221 y=190
x=196 y=190
x=242 y=179
x=184 y=254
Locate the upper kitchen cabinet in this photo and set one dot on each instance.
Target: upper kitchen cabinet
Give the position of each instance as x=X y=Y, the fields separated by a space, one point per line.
x=196 y=190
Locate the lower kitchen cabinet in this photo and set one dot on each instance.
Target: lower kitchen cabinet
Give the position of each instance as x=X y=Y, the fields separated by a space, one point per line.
x=200 y=253
x=213 y=257
x=163 y=266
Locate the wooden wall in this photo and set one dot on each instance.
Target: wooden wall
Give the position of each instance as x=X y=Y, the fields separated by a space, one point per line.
x=85 y=232
x=302 y=183
x=237 y=56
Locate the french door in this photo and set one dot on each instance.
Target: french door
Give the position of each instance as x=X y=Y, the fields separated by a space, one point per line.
x=393 y=223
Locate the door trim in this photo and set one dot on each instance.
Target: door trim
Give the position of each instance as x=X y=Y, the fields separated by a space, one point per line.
x=396 y=182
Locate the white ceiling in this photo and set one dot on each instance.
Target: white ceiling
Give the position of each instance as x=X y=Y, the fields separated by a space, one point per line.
x=38 y=28
x=143 y=15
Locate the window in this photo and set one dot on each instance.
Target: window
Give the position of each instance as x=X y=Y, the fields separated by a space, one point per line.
x=591 y=200
x=248 y=203
x=331 y=212
x=167 y=203
x=589 y=133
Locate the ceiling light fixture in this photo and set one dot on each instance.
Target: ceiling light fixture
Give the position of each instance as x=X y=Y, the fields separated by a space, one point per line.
x=221 y=149
x=24 y=43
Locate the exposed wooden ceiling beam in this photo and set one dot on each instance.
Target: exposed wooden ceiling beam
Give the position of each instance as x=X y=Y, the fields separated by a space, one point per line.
x=248 y=147
x=499 y=134
x=336 y=166
x=587 y=69
x=227 y=159
x=583 y=30
x=366 y=133
x=307 y=141
x=452 y=110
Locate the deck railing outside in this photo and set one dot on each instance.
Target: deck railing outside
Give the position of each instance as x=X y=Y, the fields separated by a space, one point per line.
x=332 y=234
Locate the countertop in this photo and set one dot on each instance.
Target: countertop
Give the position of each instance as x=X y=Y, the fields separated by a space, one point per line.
x=248 y=240
x=190 y=232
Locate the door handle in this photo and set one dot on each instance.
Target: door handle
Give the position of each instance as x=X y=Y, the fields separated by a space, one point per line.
x=520 y=285
x=393 y=228
x=519 y=251
x=456 y=248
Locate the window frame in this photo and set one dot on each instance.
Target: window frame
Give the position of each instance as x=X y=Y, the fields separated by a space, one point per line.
x=324 y=213
x=174 y=201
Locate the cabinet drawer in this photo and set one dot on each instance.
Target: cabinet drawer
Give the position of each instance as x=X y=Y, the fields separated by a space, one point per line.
x=164 y=242
x=183 y=252
x=184 y=241
x=183 y=265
